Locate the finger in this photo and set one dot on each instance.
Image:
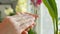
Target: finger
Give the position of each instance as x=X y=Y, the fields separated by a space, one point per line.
x=34 y=15
x=27 y=29
x=24 y=32
x=32 y=25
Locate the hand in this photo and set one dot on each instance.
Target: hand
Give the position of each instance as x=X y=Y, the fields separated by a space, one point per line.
x=26 y=31
x=34 y=15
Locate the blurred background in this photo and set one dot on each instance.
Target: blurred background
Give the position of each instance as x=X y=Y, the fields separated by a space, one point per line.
x=44 y=22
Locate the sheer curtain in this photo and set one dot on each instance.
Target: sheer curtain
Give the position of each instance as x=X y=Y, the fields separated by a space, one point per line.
x=46 y=21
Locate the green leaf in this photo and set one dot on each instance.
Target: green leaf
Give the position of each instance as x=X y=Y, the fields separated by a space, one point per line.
x=31 y=31
x=52 y=9
x=51 y=12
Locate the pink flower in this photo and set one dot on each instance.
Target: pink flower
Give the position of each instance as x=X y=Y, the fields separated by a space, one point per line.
x=38 y=2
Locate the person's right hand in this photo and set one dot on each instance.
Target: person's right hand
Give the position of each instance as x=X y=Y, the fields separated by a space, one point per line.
x=26 y=31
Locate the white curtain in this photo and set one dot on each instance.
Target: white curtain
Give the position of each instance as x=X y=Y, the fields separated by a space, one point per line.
x=46 y=21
